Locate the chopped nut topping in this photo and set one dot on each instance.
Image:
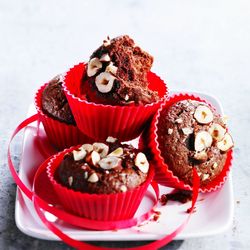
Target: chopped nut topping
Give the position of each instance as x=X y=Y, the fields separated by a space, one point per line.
x=86 y=174
x=101 y=148
x=187 y=131
x=70 y=180
x=126 y=97
x=111 y=68
x=123 y=188
x=105 y=58
x=170 y=131
x=117 y=152
x=93 y=178
x=217 y=131
x=179 y=120
x=141 y=162
x=111 y=139
x=79 y=154
x=205 y=177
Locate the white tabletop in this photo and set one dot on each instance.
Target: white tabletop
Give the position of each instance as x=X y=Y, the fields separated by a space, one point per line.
x=197 y=45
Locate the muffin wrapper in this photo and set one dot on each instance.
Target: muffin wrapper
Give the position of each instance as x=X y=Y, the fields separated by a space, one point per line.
x=118 y=206
x=100 y=121
x=163 y=175
x=60 y=134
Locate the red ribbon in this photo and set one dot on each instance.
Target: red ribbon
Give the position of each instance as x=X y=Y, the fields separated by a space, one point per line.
x=41 y=206
x=15 y=176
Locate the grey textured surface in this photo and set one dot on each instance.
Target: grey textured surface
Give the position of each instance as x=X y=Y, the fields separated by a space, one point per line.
x=197 y=45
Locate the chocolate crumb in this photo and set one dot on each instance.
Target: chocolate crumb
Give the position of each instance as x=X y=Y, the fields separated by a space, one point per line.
x=156 y=215
x=189 y=210
x=182 y=196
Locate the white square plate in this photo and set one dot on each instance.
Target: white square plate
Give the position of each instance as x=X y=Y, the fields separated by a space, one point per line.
x=214 y=211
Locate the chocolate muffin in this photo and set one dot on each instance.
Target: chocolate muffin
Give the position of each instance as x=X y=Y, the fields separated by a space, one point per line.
x=117 y=74
x=191 y=134
x=54 y=102
x=103 y=168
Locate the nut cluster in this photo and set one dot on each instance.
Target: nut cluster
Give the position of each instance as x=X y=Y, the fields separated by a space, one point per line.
x=212 y=133
x=104 y=80
x=98 y=155
x=216 y=133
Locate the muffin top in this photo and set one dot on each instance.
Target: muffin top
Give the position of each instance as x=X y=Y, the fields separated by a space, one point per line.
x=103 y=168
x=55 y=103
x=191 y=134
x=117 y=74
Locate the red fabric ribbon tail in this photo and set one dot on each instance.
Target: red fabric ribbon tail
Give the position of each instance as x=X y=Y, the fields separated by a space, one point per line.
x=13 y=171
x=196 y=186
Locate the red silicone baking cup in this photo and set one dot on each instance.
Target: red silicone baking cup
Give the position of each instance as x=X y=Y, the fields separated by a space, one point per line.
x=163 y=175
x=60 y=134
x=103 y=207
x=100 y=121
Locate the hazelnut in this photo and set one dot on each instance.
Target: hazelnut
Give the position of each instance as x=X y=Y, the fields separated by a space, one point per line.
x=226 y=143
x=123 y=188
x=93 y=66
x=93 y=158
x=201 y=156
x=111 y=139
x=105 y=58
x=79 y=154
x=111 y=68
x=117 y=152
x=101 y=148
x=87 y=147
x=202 y=141
x=104 y=82
x=70 y=180
x=93 y=178
x=110 y=162
x=205 y=177
x=187 y=131
x=170 y=131
x=203 y=114
x=126 y=98
x=179 y=120
x=217 y=131
x=141 y=162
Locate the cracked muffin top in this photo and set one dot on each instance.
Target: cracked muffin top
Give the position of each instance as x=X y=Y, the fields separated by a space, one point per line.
x=103 y=168
x=117 y=74
x=191 y=134
x=55 y=103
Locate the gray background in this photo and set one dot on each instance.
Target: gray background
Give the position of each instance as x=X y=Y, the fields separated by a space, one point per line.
x=197 y=45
